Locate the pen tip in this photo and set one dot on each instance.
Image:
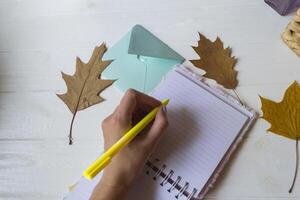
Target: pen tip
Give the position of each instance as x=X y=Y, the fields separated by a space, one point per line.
x=165 y=102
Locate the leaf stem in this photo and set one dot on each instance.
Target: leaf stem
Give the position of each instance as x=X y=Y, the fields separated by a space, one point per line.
x=71 y=128
x=236 y=94
x=296 y=168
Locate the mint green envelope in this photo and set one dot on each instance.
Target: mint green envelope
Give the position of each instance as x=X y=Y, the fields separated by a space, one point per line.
x=140 y=60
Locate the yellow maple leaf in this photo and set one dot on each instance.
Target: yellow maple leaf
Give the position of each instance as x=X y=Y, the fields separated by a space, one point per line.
x=84 y=86
x=284 y=117
x=216 y=61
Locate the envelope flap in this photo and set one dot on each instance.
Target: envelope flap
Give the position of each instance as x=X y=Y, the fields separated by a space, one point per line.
x=144 y=43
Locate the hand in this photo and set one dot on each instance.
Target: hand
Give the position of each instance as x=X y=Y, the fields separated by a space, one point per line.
x=120 y=173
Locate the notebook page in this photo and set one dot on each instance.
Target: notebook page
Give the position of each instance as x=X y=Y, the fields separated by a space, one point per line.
x=201 y=129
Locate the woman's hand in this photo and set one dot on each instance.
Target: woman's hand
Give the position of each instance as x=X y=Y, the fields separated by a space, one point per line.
x=120 y=173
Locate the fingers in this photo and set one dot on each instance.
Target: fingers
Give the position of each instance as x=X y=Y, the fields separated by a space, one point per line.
x=158 y=128
x=134 y=105
x=125 y=109
x=145 y=102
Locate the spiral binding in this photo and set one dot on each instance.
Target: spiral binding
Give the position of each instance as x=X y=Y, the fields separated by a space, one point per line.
x=160 y=171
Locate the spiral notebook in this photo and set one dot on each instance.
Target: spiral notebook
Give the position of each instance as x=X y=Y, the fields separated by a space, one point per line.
x=205 y=126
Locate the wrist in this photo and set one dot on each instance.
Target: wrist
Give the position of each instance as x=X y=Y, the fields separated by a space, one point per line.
x=104 y=191
x=116 y=177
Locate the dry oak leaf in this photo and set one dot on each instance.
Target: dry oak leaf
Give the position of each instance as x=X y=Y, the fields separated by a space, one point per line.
x=284 y=116
x=84 y=87
x=216 y=61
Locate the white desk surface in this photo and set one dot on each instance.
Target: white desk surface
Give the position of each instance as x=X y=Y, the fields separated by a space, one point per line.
x=38 y=39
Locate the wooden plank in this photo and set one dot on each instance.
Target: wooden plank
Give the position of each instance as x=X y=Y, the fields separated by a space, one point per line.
x=42 y=115
x=43 y=168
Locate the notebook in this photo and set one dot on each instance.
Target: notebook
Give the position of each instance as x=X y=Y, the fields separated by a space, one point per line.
x=205 y=126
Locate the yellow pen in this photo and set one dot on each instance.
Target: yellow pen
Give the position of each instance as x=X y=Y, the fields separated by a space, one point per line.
x=106 y=157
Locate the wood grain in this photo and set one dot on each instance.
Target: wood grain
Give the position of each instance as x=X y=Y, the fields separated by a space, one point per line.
x=40 y=38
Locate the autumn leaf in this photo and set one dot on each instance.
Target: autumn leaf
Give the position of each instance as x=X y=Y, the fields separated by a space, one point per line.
x=84 y=87
x=216 y=61
x=284 y=117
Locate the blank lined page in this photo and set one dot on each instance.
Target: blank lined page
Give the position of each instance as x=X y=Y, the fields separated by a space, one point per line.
x=201 y=129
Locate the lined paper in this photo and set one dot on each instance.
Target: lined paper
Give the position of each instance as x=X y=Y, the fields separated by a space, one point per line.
x=201 y=129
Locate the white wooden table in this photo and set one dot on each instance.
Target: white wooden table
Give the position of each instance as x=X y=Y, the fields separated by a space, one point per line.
x=40 y=38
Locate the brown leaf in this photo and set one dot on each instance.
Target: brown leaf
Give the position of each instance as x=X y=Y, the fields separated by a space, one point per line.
x=216 y=61
x=84 y=86
x=284 y=116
